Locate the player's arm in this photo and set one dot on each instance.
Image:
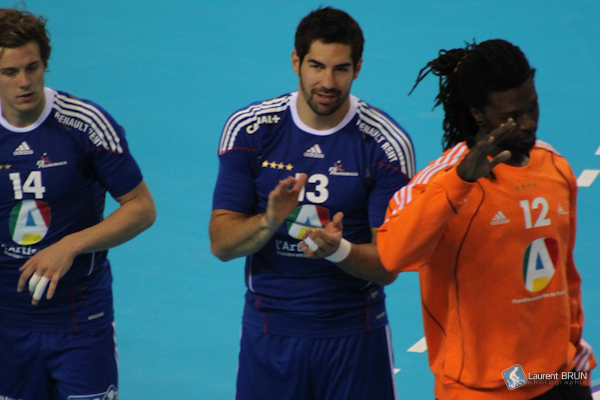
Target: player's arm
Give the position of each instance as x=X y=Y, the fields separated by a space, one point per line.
x=359 y=260
x=417 y=215
x=234 y=235
x=584 y=354
x=364 y=262
x=136 y=213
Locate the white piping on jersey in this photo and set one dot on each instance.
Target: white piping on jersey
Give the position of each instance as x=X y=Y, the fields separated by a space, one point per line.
x=454 y=152
x=92 y=263
x=404 y=195
x=114 y=325
x=250 y=285
x=49 y=93
x=394 y=135
x=352 y=110
x=388 y=337
x=543 y=145
x=441 y=163
x=78 y=109
x=582 y=357
x=247 y=116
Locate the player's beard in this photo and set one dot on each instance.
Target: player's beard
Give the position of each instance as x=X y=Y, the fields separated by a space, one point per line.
x=319 y=108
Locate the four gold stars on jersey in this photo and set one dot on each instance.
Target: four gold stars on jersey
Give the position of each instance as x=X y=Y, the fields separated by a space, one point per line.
x=275 y=165
x=7 y=166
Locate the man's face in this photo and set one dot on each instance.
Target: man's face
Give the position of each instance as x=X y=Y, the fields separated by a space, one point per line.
x=520 y=104
x=326 y=76
x=22 y=84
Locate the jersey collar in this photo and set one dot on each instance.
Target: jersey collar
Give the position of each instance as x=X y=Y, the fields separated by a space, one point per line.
x=301 y=125
x=49 y=93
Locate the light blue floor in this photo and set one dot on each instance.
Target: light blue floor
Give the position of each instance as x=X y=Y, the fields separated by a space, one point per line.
x=171 y=73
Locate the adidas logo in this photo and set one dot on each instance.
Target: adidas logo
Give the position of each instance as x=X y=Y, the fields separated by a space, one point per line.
x=23 y=150
x=500 y=218
x=314 y=152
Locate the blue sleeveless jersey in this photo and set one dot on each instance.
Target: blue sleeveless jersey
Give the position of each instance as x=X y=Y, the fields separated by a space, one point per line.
x=54 y=176
x=355 y=168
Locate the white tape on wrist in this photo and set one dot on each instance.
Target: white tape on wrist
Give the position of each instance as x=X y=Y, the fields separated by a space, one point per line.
x=311 y=244
x=341 y=253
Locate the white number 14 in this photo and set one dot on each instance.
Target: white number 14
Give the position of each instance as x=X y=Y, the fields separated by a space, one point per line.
x=33 y=184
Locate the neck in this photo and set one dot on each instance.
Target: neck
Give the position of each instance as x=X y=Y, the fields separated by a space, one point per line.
x=320 y=122
x=518 y=160
x=22 y=119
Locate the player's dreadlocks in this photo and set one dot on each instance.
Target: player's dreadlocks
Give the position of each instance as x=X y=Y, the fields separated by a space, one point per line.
x=467 y=76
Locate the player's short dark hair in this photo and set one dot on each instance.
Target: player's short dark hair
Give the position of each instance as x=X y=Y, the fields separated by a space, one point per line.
x=17 y=28
x=467 y=76
x=329 y=25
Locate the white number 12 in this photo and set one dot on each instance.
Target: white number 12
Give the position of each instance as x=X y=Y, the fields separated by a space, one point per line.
x=541 y=220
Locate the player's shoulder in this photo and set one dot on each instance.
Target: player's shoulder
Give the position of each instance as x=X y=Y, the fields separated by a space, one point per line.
x=259 y=112
x=542 y=148
x=86 y=119
x=547 y=147
x=449 y=158
x=375 y=118
x=66 y=103
x=387 y=134
x=377 y=124
x=252 y=119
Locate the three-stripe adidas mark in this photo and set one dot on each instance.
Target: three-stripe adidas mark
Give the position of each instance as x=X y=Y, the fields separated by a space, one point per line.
x=500 y=218
x=23 y=150
x=314 y=152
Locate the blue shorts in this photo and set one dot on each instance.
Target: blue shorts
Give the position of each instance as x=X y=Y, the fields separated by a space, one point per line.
x=58 y=366
x=358 y=367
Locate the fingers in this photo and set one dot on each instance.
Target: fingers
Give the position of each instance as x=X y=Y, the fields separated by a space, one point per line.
x=35 y=279
x=300 y=182
x=293 y=184
x=500 y=158
x=337 y=220
x=52 y=287
x=318 y=243
x=311 y=244
x=26 y=272
x=39 y=289
x=500 y=133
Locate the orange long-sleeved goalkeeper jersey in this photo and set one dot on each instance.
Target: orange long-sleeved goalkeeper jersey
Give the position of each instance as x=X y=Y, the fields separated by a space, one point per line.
x=499 y=285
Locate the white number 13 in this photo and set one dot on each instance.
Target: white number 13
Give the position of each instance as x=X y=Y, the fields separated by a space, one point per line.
x=535 y=204
x=33 y=184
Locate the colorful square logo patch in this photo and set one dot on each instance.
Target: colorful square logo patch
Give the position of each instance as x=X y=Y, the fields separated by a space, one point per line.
x=514 y=377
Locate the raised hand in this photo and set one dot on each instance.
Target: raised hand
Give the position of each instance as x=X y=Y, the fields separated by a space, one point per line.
x=327 y=240
x=283 y=200
x=476 y=163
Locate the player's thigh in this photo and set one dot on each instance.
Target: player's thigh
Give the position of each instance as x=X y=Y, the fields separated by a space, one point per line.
x=358 y=367
x=22 y=366
x=272 y=368
x=84 y=365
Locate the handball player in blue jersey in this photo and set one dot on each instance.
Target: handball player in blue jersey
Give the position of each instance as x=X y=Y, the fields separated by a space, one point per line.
x=59 y=155
x=304 y=182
